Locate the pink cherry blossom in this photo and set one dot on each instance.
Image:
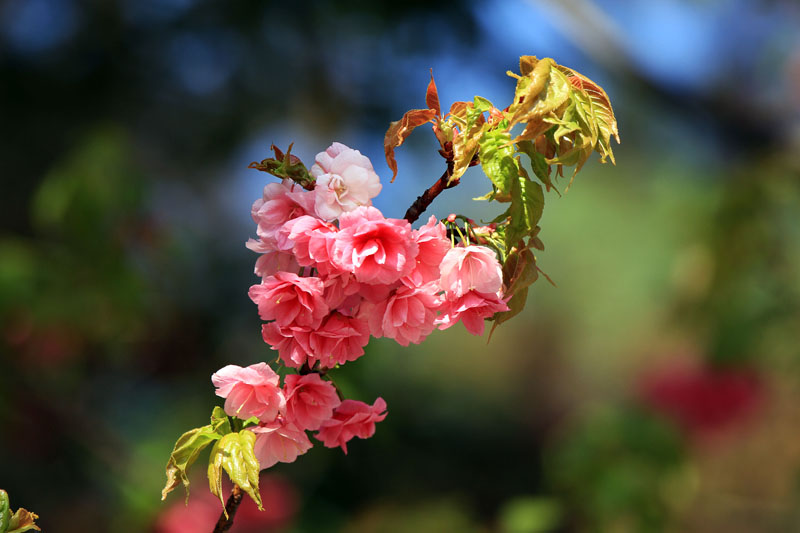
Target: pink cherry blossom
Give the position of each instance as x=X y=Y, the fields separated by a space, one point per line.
x=345 y=180
x=290 y=300
x=310 y=239
x=407 y=315
x=280 y=203
x=271 y=260
x=351 y=419
x=309 y=400
x=279 y=441
x=471 y=308
x=342 y=292
x=337 y=340
x=470 y=268
x=375 y=249
x=433 y=245
x=292 y=343
x=251 y=391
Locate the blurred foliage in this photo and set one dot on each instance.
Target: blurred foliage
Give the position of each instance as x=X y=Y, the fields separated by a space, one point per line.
x=619 y=469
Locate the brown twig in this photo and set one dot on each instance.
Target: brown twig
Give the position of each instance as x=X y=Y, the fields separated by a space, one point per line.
x=424 y=200
x=226 y=522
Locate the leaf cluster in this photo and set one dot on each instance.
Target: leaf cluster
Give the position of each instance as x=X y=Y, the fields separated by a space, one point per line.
x=232 y=451
x=561 y=116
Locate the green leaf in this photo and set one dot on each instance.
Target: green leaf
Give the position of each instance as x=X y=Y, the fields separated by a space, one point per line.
x=538 y=164
x=234 y=453
x=480 y=105
x=539 y=93
x=286 y=166
x=5 y=511
x=220 y=422
x=188 y=448
x=527 y=204
x=519 y=272
x=497 y=159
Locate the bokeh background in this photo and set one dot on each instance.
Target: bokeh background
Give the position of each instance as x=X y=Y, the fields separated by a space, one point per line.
x=654 y=389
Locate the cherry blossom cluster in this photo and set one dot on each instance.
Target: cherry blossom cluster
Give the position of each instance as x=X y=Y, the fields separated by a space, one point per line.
x=303 y=403
x=334 y=271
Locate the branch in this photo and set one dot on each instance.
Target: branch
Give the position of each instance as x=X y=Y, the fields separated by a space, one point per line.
x=423 y=201
x=225 y=523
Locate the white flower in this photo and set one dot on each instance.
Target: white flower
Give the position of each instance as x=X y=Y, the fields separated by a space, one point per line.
x=345 y=181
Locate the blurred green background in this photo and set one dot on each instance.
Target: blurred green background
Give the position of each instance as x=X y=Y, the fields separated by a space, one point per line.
x=655 y=389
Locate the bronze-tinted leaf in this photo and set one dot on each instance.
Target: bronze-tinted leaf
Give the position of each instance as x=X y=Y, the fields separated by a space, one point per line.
x=527 y=64
x=471 y=128
x=597 y=108
x=432 y=97
x=21 y=521
x=18 y=522
x=459 y=109
x=519 y=271
x=399 y=130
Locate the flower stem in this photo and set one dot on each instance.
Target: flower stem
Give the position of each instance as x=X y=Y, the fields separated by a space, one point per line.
x=226 y=522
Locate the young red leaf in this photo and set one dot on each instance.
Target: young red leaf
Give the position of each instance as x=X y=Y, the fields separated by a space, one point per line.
x=432 y=97
x=399 y=130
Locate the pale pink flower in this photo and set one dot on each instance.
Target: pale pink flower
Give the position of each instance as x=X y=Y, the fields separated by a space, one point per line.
x=251 y=391
x=280 y=203
x=407 y=315
x=375 y=249
x=351 y=419
x=345 y=180
x=337 y=340
x=433 y=245
x=471 y=308
x=309 y=400
x=470 y=268
x=290 y=300
x=280 y=441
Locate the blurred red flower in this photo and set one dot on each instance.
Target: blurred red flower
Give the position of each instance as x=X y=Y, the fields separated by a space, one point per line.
x=704 y=401
x=280 y=505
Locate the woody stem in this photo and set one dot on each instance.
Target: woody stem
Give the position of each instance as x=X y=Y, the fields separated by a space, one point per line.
x=226 y=522
x=425 y=199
